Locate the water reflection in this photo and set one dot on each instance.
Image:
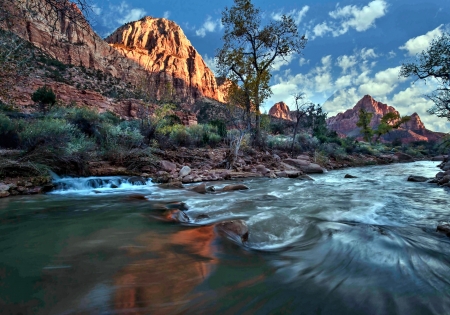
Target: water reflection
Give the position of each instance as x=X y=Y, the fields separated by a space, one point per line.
x=163 y=284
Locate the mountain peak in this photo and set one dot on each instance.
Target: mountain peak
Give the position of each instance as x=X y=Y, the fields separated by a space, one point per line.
x=345 y=123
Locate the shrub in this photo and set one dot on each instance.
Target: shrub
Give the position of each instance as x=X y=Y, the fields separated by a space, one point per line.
x=178 y=135
x=118 y=141
x=221 y=127
x=85 y=119
x=47 y=132
x=45 y=97
x=9 y=137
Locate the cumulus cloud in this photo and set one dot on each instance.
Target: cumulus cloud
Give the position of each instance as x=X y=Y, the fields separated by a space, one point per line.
x=418 y=44
x=303 y=62
x=209 y=26
x=346 y=62
x=166 y=14
x=211 y=63
x=297 y=15
x=281 y=62
x=352 y=17
x=127 y=14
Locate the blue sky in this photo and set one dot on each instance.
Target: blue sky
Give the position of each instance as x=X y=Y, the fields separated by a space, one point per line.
x=355 y=47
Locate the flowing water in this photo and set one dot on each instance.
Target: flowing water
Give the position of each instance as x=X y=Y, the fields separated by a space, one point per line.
x=366 y=245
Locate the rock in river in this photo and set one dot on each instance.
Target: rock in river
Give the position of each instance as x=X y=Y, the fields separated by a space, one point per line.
x=236 y=230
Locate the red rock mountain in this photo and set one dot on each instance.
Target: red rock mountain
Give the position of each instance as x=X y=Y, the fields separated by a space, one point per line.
x=280 y=110
x=345 y=123
x=153 y=52
x=161 y=48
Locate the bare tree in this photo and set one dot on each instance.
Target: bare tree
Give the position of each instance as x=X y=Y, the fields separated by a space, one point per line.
x=300 y=112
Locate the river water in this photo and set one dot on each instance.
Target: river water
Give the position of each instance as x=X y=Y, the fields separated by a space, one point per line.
x=366 y=245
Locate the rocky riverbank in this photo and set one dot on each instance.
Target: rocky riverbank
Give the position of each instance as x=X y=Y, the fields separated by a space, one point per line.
x=173 y=168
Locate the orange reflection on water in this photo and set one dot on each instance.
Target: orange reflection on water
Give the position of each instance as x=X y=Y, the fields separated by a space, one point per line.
x=160 y=285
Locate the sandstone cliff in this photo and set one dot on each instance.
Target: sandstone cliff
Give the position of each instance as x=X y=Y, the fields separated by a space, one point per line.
x=156 y=53
x=280 y=110
x=161 y=48
x=345 y=123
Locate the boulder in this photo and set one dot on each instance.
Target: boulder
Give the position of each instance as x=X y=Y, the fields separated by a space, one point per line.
x=176 y=215
x=444 y=180
x=172 y=185
x=349 y=176
x=296 y=162
x=4 y=194
x=292 y=174
x=312 y=168
x=185 y=170
x=236 y=230
x=415 y=178
x=439 y=158
x=305 y=177
x=201 y=189
x=234 y=187
x=167 y=166
x=303 y=157
x=444 y=228
x=403 y=157
x=4 y=187
x=187 y=179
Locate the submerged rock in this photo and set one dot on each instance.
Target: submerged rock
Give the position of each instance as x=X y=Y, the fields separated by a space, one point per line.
x=201 y=189
x=415 y=178
x=236 y=230
x=349 y=176
x=176 y=216
x=234 y=187
x=444 y=228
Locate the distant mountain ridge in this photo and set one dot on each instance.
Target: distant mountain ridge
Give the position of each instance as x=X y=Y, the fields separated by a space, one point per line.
x=414 y=130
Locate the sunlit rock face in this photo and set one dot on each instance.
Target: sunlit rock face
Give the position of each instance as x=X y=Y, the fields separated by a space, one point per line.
x=413 y=130
x=162 y=49
x=152 y=54
x=280 y=110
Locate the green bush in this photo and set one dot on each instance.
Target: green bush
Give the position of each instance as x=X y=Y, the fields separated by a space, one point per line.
x=178 y=135
x=221 y=127
x=45 y=97
x=118 y=141
x=9 y=137
x=47 y=132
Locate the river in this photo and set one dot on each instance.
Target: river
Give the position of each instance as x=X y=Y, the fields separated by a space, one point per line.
x=366 y=245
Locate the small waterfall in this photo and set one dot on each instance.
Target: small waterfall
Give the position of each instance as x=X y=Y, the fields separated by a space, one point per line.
x=95 y=185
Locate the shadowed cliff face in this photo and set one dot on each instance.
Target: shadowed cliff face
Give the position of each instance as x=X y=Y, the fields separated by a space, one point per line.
x=345 y=123
x=160 y=47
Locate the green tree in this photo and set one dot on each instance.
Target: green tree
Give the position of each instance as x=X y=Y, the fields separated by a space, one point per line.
x=434 y=63
x=45 y=97
x=364 y=123
x=250 y=50
x=389 y=122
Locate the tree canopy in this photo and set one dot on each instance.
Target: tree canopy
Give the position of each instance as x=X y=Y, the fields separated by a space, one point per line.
x=434 y=62
x=250 y=48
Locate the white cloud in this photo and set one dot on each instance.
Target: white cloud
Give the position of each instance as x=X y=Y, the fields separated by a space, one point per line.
x=132 y=15
x=297 y=15
x=391 y=54
x=346 y=62
x=368 y=53
x=418 y=44
x=166 y=14
x=96 y=9
x=126 y=13
x=321 y=29
x=303 y=62
x=352 y=17
x=281 y=62
x=211 y=63
x=383 y=83
x=209 y=26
